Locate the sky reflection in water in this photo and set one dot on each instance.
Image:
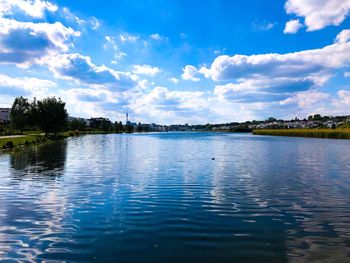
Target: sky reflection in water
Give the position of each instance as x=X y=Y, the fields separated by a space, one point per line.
x=161 y=198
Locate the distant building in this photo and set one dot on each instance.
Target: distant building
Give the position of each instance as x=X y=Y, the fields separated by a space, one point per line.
x=5 y=115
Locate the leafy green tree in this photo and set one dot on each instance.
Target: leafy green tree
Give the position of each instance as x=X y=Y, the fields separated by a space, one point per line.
x=106 y=125
x=121 y=127
x=317 y=117
x=116 y=127
x=50 y=114
x=139 y=127
x=129 y=128
x=77 y=124
x=271 y=119
x=19 y=114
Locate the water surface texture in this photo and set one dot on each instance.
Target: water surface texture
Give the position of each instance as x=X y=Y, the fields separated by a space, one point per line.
x=163 y=198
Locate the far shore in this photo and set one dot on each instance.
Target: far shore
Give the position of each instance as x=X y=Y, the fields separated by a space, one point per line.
x=309 y=133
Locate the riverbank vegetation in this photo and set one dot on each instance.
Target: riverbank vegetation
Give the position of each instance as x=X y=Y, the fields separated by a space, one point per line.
x=40 y=121
x=341 y=133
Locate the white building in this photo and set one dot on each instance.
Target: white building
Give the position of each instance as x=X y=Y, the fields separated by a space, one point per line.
x=5 y=115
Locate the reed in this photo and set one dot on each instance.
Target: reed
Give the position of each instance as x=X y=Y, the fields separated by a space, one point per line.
x=311 y=133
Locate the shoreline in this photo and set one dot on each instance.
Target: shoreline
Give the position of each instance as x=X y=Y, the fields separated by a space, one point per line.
x=306 y=133
x=15 y=143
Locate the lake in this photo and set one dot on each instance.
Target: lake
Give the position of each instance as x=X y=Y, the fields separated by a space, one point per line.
x=177 y=197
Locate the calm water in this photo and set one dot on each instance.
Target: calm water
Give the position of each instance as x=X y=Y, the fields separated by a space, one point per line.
x=161 y=198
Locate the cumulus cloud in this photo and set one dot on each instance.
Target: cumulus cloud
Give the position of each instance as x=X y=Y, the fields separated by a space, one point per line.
x=80 y=68
x=277 y=78
x=27 y=42
x=24 y=86
x=146 y=70
x=297 y=64
x=163 y=103
x=33 y=8
x=292 y=26
x=306 y=99
x=344 y=96
x=190 y=73
x=262 y=89
x=343 y=36
x=319 y=14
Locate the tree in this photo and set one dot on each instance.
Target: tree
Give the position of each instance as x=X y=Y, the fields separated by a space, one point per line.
x=77 y=124
x=139 y=127
x=129 y=128
x=20 y=113
x=106 y=125
x=317 y=117
x=271 y=119
x=51 y=115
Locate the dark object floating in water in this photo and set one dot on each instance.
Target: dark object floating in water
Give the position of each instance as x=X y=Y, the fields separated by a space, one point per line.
x=213 y=158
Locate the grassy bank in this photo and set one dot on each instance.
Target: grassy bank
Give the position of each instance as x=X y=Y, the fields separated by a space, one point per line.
x=310 y=133
x=8 y=143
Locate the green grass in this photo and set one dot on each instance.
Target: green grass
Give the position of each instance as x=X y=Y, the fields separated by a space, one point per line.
x=311 y=133
x=20 y=141
x=37 y=137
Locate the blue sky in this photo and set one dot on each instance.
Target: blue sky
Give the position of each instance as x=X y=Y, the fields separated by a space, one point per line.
x=179 y=61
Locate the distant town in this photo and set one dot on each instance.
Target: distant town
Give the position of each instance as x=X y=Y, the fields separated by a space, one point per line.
x=313 y=121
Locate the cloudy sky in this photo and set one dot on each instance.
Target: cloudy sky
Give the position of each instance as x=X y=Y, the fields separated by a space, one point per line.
x=179 y=61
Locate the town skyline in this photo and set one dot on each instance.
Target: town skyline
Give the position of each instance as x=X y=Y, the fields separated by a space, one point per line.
x=175 y=62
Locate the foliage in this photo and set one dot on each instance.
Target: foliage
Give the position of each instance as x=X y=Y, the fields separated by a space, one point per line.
x=312 y=133
x=77 y=124
x=51 y=115
x=118 y=127
x=20 y=112
x=20 y=141
x=106 y=126
x=128 y=128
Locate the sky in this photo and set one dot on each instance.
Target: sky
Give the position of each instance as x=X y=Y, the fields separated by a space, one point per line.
x=177 y=61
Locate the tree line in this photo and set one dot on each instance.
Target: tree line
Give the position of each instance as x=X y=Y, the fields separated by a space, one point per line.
x=50 y=116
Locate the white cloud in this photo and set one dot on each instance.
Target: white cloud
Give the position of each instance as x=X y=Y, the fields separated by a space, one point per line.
x=166 y=105
x=292 y=26
x=156 y=36
x=190 y=73
x=81 y=69
x=297 y=64
x=174 y=80
x=24 y=86
x=25 y=43
x=306 y=99
x=146 y=70
x=95 y=23
x=344 y=96
x=128 y=38
x=319 y=14
x=111 y=43
x=33 y=8
x=343 y=36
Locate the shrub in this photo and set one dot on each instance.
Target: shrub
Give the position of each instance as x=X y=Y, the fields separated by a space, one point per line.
x=9 y=145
